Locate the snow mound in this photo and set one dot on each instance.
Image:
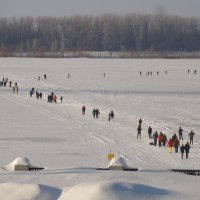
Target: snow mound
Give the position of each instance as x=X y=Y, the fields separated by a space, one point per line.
x=18 y=191
x=118 y=161
x=18 y=161
x=115 y=191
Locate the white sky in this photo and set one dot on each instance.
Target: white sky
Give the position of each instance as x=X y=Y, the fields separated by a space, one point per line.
x=17 y=8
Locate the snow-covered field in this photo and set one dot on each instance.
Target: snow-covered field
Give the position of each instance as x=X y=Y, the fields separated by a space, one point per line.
x=70 y=146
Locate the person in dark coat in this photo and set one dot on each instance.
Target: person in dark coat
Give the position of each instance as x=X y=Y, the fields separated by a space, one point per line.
x=149 y=131
x=83 y=110
x=174 y=137
x=191 y=135
x=187 y=149
x=160 y=139
x=155 y=137
x=10 y=84
x=111 y=115
x=140 y=122
x=182 y=149
x=139 y=129
x=164 y=140
x=180 y=133
x=61 y=99
x=94 y=112
x=97 y=113
x=40 y=95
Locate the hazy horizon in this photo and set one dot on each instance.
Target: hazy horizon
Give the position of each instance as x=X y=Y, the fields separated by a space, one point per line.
x=60 y=8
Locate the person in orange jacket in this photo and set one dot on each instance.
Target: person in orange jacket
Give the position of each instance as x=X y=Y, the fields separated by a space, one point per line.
x=170 y=145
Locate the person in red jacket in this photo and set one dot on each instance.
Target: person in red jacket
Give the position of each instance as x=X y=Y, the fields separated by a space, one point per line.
x=176 y=144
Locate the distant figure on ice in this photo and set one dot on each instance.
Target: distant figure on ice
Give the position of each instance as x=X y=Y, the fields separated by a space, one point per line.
x=17 y=90
x=61 y=99
x=83 y=110
x=104 y=74
x=195 y=71
x=55 y=99
x=176 y=144
x=45 y=76
x=4 y=84
x=187 y=149
x=160 y=139
x=111 y=115
x=191 y=135
x=170 y=145
x=150 y=132
x=38 y=78
x=155 y=137
x=40 y=95
x=140 y=122
x=164 y=140
x=68 y=76
x=188 y=71
x=94 y=112
x=10 y=84
x=180 y=133
x=13 y=89
x=97 y=113
x=139 y=131
x=182 y=149
x=31 y=93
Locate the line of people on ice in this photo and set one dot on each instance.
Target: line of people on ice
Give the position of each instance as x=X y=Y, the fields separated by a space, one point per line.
x=96 y=113
x=150 y=73
x=37 y=94
x=195 y=71
x=45 y=77
x=4 y=83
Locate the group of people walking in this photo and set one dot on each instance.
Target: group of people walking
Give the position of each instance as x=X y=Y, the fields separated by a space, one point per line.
x=173 y=142
x=96 y=113
x=5 y=82
x=38 y=94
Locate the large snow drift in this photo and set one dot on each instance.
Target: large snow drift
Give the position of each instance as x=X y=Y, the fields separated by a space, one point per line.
x=115 y=190
x=16 y=191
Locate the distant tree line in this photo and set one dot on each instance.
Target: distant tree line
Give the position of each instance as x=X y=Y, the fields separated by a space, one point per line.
x=132 y=32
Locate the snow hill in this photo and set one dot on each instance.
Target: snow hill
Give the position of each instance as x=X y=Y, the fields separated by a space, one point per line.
x=70 y=146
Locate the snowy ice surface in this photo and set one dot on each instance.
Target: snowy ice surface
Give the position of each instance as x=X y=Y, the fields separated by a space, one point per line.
x=71 y=146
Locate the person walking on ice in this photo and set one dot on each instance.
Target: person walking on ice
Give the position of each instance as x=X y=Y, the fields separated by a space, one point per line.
x=61 y=99
x=83 y=110
x=187 y=149
x=150 y=132
x=111 y=115
x=139 y=131
x=191 y=135
x=182 y=149
x=140 y=122
x=180 y=133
